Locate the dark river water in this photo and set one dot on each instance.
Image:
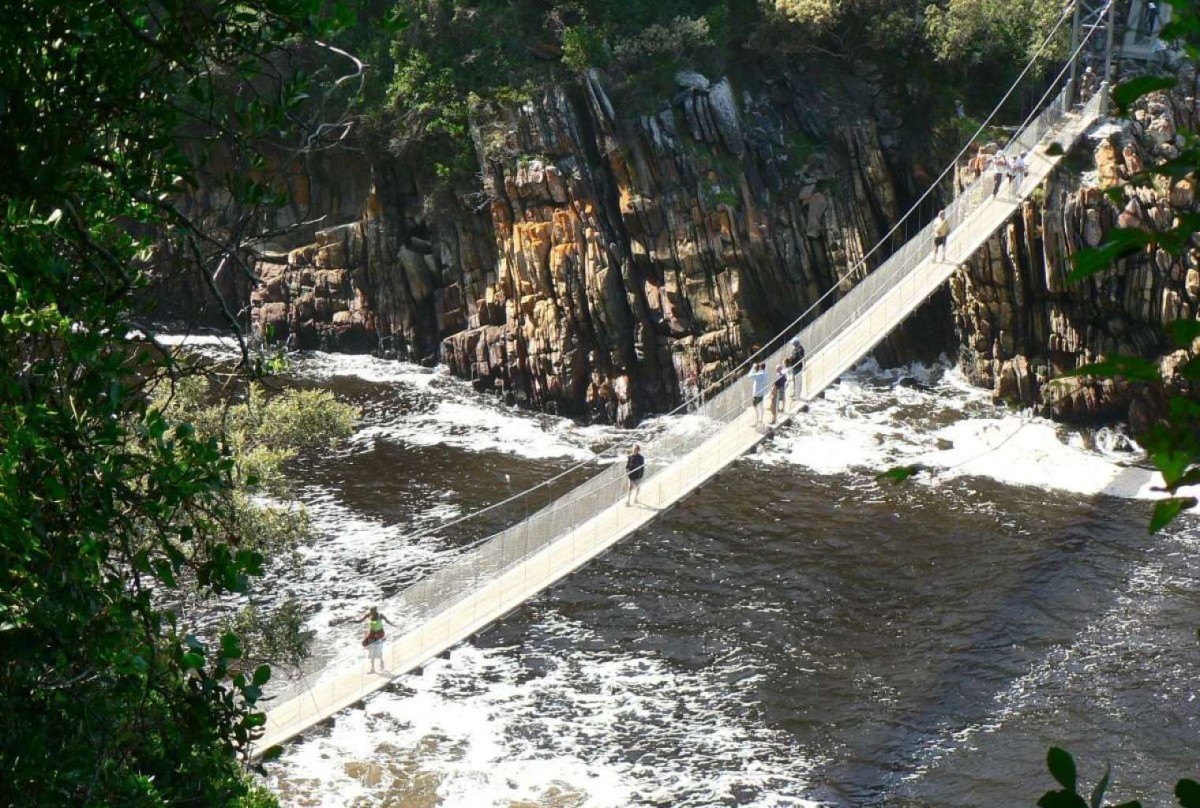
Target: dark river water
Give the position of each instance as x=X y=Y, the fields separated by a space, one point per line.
x=795 y=633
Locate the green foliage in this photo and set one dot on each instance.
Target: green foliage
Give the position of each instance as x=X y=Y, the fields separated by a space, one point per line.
x=970 y=33
x=1172 y=443
x=818 y=14
x=899 y=474
x=449 y=52
x=1128 y=367
x=283 y=423
x=1127 y=240
x=1188 y=793
x=258 y=797
x=800 y=148
x=887 y=28
x=669 y=40
x=1062 y=769
x=458 y=62
x=583 y=48
x=260 y=435
x=110 y=509
x=1123 y=95
x=460 y=58
x=278 y=637
x=716 y=195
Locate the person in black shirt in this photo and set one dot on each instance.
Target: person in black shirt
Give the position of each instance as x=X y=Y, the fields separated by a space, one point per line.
x=796 y=362
x=635 y=467
x=778 y=393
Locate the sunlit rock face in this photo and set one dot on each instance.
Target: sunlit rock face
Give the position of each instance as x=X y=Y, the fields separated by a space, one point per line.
x=608 y=260
x=1021 y=322
x=612 y=254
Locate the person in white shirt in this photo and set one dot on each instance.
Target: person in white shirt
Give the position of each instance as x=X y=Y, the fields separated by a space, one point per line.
x=1018 y=168
x=941 y=230
x=999 y=167
x=758 y=379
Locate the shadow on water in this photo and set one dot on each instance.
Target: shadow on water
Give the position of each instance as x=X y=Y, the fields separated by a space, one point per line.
x=895 y=627
x=1027 y=608
x=901 y=646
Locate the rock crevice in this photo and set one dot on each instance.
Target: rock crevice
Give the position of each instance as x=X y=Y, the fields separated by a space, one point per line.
x=607 y=263
x=1021 y=323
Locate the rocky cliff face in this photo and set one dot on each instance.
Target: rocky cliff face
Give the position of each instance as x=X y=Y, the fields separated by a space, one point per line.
x=606 y=261
x=1022 y=324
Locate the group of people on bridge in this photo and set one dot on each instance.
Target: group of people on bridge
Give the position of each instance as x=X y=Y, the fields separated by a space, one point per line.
x=1000 y=166
x=767 y=393
x=770 y=393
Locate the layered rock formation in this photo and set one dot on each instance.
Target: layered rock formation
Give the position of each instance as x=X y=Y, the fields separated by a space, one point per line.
x=607 y=260
x=1021 y=323
x=321 y=190
x=607 y=263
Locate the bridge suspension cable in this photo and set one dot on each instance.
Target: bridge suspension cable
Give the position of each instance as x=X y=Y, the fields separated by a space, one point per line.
x=480 y=585
x=788 y=330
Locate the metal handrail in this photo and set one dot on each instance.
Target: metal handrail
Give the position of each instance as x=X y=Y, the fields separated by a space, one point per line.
x=585 y=514
x=514 y=544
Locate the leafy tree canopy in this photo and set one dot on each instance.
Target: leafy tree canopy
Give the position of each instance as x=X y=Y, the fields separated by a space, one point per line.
x=1173 y=442
x=108 y=506
x=451 y=59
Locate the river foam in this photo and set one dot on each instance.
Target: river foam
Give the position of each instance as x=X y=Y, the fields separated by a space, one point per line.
x=592 y=728
x=928 y=416
x=553 y=719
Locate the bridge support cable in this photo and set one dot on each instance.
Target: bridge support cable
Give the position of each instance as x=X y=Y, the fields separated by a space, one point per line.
x=693 y=402
x=497 y=575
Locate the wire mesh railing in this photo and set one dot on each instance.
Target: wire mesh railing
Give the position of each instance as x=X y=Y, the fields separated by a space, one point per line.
x=833 y=339
x=830 y=324
x=512 y=545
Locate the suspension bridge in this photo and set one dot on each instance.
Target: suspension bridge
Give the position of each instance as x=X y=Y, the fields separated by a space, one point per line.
x=501 y=572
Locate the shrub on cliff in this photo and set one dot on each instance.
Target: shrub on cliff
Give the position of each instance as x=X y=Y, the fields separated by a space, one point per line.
x=453 y=55
x=455 y=60
x=971 y=33
x=1172 y=442
x=262 y=433
x=108 y=508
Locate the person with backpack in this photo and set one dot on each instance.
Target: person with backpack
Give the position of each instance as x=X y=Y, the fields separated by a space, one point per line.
x=778 y=392
x=373 y=641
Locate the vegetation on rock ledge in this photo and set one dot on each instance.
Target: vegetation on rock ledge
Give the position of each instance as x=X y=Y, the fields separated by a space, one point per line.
x=112 y=512
x=453 y=60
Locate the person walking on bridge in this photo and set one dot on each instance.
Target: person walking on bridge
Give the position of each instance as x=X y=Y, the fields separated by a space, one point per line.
x=373 y=642
x=1018 y=168
x=999 y=168
x=635 y=468
x=1150 y=17
x=778 y=392
x=796 y=363
x=941 y=231
x=1088 y=84
x=759 y=387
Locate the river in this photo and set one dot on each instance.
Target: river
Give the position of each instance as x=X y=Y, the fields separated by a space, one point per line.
x=796 y=633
